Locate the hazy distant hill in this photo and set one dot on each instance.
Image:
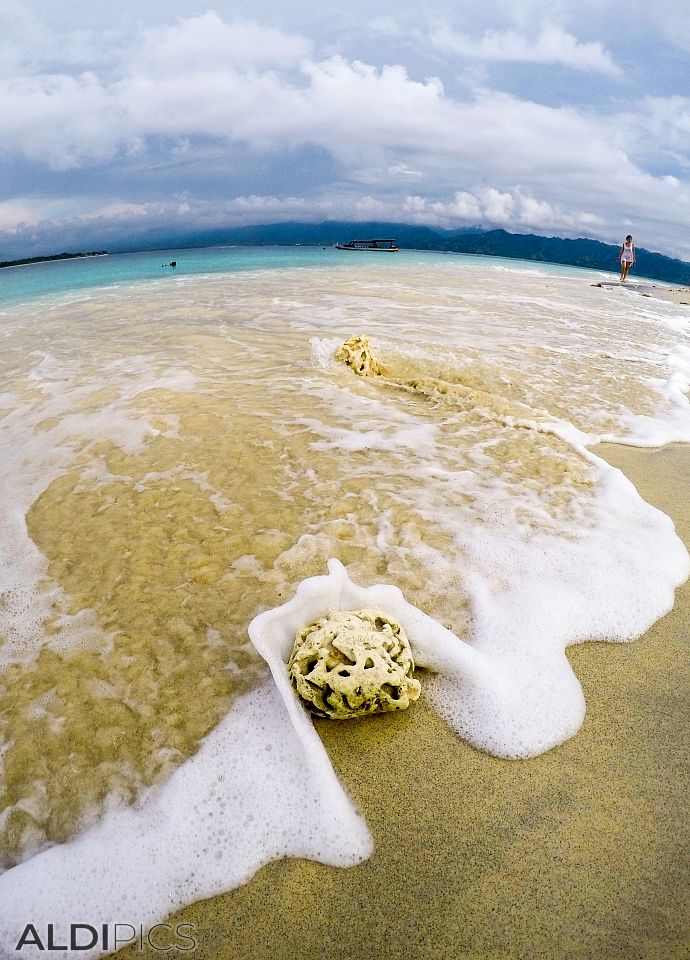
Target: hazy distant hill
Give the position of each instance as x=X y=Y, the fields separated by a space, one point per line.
x=578 y=253
x=289 y=234
x=496 y=243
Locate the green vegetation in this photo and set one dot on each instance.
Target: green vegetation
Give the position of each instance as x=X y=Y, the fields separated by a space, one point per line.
x=583 y=252
x=55 y=256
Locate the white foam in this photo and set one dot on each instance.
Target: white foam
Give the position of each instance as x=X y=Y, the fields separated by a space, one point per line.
x=605 y=574
x=323 y=351
x=676 y=388
x=667 y=426
x=644 y=430
x=510 y=690
x=260 y=788
x=532 y=597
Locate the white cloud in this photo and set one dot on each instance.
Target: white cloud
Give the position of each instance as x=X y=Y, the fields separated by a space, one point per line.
x=402 y=170
x=15 y=214
x=553 y=45
x=352 y=109
x=498 y=206
x=502 y=208
x=415 y=205
x=125 y=211
x=464 y=207
x=259 y=94
x=60 y=120
x=206 y=42
x=368 y=207
x=661 y=124
x=266 y=204
x=386 y=26
x=18 y=25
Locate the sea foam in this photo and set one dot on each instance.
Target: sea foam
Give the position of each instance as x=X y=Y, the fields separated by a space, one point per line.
x=260 y=788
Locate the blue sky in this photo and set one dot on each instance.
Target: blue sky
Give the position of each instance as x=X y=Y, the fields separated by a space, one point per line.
x=568 y=119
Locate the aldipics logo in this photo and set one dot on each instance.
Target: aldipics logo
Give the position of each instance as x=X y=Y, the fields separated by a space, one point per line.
x=162 y=937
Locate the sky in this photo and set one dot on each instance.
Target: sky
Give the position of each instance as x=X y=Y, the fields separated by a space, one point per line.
x=558 y=118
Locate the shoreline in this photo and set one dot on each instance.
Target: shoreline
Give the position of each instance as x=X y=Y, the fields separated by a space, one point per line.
x=56 y=258
x=581 y=852
x=657 y=290
x=679 y=295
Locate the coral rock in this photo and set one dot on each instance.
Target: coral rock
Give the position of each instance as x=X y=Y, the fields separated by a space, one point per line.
x=352 y=663
x=356 y=353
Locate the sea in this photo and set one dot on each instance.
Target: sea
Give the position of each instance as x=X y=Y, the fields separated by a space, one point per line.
x=187 y=475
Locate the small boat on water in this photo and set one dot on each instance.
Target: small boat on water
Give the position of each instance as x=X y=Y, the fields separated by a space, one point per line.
x=380 y=246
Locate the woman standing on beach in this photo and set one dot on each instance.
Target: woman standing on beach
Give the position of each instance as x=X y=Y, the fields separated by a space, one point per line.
x=627 y=257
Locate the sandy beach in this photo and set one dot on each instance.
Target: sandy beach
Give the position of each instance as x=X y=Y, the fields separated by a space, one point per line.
x=579 y=853
x=649 y=288
x=680 y=295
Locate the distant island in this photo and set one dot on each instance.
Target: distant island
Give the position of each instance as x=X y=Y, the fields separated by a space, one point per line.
x=55 y=256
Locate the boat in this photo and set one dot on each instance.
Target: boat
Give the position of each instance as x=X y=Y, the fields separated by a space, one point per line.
x=380 y=246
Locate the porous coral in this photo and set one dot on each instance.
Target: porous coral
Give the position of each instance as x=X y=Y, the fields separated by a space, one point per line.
x=356 y=353
x=352 y=663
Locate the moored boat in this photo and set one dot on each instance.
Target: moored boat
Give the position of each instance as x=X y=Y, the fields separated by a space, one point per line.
x=386 y=245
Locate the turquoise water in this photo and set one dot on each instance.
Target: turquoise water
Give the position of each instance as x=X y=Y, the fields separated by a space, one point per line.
x=62 y=276
x=18 y=284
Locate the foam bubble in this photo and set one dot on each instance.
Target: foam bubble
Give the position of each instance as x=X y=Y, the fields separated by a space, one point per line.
x=260 y=788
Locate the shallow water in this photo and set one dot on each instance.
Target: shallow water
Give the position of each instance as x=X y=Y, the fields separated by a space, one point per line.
x=179 y=454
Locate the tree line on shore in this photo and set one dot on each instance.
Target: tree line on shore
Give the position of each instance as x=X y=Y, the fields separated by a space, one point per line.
x=54 y=256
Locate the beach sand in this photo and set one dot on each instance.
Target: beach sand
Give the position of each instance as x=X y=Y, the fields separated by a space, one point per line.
x=579 y=853
x=680 y=295
x=649 y=288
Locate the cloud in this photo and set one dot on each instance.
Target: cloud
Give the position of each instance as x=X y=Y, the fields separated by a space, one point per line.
x=278 y=99
x=207 y=42
x=401 y=170
x=661 y=126
x=501 y=208
x=15 y=214
x=386 y=26
x=238 y=102
x=18 y=25
x=552 y=46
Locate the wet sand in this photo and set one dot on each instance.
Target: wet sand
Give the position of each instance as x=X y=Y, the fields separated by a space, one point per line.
x=580 y=853
x=680 y=295
x=649 y=288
